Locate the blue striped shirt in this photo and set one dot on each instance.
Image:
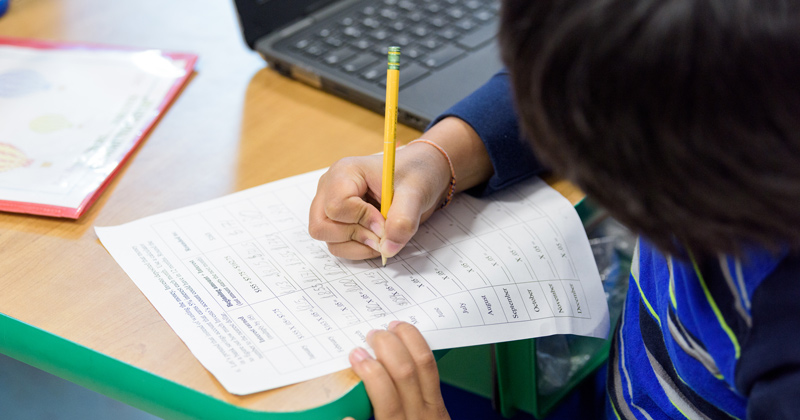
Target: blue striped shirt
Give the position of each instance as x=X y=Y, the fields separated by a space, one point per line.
x=682 y=334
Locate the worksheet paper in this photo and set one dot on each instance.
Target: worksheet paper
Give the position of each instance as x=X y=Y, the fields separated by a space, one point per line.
x=262 y=304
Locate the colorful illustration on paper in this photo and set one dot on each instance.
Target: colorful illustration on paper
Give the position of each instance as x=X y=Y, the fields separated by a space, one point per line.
x=49 y=123
x=12 y=158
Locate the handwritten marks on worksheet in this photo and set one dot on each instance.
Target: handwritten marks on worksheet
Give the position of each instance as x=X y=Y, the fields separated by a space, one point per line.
x=262 y=304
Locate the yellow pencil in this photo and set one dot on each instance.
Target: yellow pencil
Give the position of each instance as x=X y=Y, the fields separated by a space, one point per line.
x=390 y=132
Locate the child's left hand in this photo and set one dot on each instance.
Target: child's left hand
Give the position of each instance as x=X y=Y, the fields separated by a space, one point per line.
x=403 y=383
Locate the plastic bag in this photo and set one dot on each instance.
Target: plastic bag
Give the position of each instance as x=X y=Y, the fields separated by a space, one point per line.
x=560 y=357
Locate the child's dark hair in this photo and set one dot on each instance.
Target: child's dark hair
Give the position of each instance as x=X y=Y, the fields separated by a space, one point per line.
x=681 y=117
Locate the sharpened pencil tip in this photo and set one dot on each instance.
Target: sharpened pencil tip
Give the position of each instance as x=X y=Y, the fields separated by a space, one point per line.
x=383 y=260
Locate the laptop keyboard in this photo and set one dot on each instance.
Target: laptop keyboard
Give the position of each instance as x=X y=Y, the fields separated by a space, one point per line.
x=431 y=33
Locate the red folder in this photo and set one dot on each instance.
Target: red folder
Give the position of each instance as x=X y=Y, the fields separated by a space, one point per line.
x=8 y=152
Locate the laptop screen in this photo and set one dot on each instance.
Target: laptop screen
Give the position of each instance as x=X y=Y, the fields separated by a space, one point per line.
x=261 y=17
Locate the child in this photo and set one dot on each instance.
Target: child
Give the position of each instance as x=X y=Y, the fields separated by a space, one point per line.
x=682 y=118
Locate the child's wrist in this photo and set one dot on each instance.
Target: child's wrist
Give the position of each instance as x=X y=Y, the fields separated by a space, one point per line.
x=447 y=195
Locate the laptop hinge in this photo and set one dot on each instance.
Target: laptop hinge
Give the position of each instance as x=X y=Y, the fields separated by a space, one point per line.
x=319 y=15
x=306 y=76
x=299 y=25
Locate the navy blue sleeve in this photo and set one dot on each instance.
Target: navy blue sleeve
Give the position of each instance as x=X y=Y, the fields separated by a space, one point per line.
x=490 y=112
x=768 y=371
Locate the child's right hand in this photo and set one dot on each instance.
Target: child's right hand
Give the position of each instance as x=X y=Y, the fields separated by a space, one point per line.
x=345 y=213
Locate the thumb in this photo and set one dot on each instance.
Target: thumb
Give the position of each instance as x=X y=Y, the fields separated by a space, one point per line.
x=402 y=221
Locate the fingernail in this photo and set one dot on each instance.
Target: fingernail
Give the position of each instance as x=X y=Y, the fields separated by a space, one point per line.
x=390 y=248
x=377 y=229
x=393 y=324
x=372 y=244
x=359 y=354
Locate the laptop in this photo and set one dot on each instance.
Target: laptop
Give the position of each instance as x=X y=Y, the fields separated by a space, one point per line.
x=448 y=48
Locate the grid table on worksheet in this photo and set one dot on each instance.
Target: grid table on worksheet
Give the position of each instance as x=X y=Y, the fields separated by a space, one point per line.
x=243 y=276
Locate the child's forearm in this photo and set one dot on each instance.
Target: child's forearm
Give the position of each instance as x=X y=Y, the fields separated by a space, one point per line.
x=466 y=151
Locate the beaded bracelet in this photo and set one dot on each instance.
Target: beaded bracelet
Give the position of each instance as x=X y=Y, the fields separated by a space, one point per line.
x=452 y=189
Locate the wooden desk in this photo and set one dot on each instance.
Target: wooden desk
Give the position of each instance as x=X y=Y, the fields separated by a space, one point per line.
x=70 y=309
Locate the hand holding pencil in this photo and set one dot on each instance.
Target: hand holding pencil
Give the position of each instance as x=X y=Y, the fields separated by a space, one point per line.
x=345 y=210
